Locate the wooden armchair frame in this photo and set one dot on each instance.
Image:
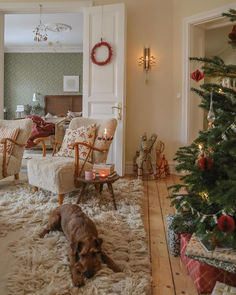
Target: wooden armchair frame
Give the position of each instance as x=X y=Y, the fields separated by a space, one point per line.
x=4 y=155
x=74 y=146
x=43 y=139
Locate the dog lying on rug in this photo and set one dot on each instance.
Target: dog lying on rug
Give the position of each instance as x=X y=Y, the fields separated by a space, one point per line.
x=85 y=253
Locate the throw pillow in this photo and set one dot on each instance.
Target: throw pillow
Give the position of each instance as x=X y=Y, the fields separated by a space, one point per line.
x=8 y=133
x=82 y=134
x=70 y=115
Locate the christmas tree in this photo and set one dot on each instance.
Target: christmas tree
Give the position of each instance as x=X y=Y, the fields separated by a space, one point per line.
x=206 y=201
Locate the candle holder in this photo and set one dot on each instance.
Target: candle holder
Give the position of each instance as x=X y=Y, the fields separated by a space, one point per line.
x=103 y=174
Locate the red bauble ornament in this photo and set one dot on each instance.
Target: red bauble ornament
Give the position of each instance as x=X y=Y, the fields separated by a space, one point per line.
x=197 y=76
x=226 y=223
x=96 y=46
x=232 y=35
x=205 y=163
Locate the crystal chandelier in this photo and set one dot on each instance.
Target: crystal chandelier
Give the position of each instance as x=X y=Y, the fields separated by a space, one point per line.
x=40 y=30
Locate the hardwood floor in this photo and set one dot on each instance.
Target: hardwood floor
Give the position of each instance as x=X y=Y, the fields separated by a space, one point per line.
x=169 y=275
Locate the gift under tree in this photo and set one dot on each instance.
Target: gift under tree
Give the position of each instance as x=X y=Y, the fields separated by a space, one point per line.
x=207 y=197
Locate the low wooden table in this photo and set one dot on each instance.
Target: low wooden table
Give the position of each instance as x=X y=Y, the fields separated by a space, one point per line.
x=98 y=183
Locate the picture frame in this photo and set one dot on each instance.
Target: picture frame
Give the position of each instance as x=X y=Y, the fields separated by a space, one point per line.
x=71 y=83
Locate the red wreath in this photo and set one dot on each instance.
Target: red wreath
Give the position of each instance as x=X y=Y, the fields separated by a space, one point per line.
x=96 y=46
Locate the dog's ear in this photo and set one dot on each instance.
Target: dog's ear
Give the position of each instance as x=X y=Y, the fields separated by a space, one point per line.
x=76 y=247
x=98 y=242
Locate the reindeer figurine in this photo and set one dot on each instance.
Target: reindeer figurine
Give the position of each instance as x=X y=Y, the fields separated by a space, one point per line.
x=162 y=166
x=144 y=160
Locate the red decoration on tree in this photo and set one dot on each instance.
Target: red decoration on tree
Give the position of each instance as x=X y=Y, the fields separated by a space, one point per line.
x=205 y=163
x=232 y=35
x=96 y=46
x=226 y=223
x=197 y=76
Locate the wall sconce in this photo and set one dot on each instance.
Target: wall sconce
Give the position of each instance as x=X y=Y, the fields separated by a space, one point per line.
x=36 y=96
x=147 y=60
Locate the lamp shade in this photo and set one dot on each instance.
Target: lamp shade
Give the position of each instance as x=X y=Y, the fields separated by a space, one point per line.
x=35 y=97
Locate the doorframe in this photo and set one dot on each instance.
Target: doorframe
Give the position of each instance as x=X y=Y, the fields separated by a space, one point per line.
x=29 y=8
x=188 y=23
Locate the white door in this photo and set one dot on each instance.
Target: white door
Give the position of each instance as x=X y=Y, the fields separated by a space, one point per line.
x=104 y=86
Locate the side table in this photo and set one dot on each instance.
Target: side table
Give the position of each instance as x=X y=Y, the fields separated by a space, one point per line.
x=98 y=183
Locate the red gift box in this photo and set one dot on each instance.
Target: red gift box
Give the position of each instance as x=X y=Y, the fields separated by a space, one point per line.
x=203 y=275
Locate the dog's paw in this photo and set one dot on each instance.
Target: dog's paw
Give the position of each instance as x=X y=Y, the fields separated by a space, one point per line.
x=116 y=268
x=42 y=234
x=78 y=280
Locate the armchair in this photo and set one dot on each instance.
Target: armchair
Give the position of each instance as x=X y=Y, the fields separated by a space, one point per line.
x=11 y=164
x=58 y=174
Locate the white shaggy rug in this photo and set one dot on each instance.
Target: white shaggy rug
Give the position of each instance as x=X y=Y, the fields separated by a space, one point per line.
x=41 y=266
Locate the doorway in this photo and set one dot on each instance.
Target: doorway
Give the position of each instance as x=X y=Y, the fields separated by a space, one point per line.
x=103 y=87
x=35 y=69
x=195 y=30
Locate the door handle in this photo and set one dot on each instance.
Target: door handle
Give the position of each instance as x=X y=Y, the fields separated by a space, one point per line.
x=119 y=109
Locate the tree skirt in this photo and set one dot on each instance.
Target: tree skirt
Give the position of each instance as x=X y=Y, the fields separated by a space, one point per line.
x=41 y=266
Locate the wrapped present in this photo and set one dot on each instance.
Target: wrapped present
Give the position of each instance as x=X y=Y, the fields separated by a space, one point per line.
x=173 y=236
x=223 y=289
x=195 y=248
x=203 y=275
x=214 y=262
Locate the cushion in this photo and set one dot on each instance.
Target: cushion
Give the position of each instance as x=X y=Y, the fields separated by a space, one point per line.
x=109 y=124
x=71 y=115
x=82 y=134
x=8 y=133
x=13 y=165
x=54 y=174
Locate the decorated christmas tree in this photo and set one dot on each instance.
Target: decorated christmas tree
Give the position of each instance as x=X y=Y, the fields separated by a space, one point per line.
x=206 y=201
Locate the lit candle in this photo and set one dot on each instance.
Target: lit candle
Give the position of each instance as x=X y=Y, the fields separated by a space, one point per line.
x=103 y=174
x=105 y=132
x=200 y=147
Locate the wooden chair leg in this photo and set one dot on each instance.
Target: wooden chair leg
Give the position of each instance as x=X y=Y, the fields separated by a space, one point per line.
x=35 y=188
x=60 y=198
x=112 y=194
x=16 y=176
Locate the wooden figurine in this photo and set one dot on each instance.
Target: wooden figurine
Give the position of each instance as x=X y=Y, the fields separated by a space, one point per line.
x=144 y=160
x=162 y=166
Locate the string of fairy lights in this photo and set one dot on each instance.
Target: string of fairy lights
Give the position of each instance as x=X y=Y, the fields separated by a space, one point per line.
x=231 y=127
x=205 y=216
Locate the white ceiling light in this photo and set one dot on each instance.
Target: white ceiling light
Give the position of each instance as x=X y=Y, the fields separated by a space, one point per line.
x=58 y=27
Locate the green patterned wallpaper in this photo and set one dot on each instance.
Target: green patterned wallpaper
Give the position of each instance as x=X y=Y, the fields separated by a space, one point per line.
x=26 y=73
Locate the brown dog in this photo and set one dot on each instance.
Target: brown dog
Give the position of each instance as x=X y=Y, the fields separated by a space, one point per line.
x=85 y=253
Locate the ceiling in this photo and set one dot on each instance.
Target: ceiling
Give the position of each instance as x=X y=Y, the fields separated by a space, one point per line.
x=217 y=41
x=19 y=33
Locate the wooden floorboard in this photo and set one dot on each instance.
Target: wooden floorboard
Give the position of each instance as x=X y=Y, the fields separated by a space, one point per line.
x=169 y=275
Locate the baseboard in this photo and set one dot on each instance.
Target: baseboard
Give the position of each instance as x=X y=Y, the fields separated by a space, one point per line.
x=129 y=168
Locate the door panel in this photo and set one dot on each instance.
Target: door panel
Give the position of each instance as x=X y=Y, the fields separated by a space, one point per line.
x=104 y=86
